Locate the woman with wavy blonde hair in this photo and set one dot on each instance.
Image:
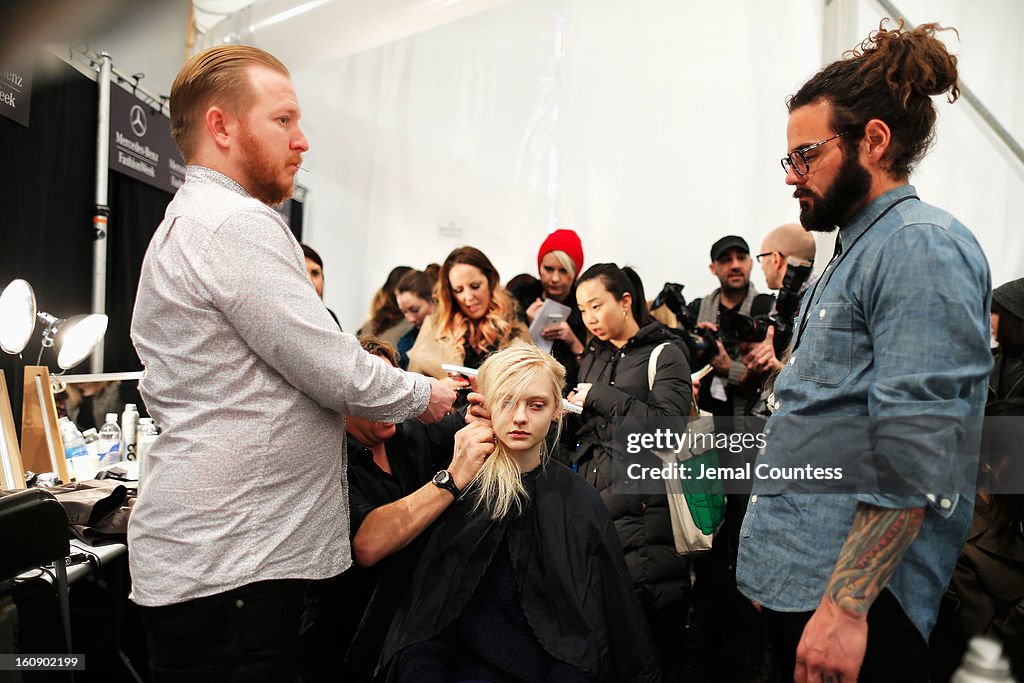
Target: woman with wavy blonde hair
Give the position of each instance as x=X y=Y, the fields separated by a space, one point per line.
x=474 y=316
x=523 y=578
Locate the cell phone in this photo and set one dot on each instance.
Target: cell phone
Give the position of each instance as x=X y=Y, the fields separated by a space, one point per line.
x=572 y=407
x=554 y=319
x=459 y=370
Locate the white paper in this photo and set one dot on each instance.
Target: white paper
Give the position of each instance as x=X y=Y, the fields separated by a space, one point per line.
x=718 y=389
x=550 y=307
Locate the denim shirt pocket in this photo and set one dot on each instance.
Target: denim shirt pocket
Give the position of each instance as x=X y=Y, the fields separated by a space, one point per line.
x=826 y=356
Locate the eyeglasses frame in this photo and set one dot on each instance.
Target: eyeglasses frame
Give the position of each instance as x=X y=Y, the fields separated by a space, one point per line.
x=788 y=163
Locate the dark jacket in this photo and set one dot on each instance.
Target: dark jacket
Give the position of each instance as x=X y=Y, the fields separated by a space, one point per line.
x=620 y=389
x=1007 y=379
x=347 y=617
x=986 y=593
x=561 y=351
x=573 y=586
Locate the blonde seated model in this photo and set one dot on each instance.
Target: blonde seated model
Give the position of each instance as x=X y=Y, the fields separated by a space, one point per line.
x=523 y=578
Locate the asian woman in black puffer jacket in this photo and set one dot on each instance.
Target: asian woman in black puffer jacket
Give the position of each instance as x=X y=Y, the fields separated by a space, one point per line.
x=614 y=383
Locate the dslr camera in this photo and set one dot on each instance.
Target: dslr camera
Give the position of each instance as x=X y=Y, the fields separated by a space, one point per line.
x=702 y=343
x=734 y=327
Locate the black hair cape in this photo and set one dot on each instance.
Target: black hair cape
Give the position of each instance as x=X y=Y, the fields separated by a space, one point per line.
x=574 y=587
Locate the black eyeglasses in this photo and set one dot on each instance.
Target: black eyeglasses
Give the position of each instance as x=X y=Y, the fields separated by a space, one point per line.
x=798 y=162
x=767 y=253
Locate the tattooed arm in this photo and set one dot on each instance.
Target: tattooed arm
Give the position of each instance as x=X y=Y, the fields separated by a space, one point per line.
x=834 y=641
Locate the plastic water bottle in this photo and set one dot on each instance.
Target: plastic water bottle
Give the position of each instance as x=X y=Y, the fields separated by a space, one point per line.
x=74 y=443
x=109 y=444
x=129 y=431
x=147 y=435
x=984 y=662
x=92 y=441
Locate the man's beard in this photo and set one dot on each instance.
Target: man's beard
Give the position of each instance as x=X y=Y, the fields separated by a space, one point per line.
x=841 y=198
x=730 y=289
x=261 y=173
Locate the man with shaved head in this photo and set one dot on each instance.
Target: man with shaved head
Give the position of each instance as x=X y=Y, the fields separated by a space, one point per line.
x=786 y=244
x=789 y=241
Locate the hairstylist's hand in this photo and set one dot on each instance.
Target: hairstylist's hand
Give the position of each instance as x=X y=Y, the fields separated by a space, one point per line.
x=476 y=411
x=473 y=444
x=455 y=382
x=441 y=400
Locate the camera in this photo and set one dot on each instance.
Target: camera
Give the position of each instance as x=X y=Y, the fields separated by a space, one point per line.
x=735 y=327
x=702 y=343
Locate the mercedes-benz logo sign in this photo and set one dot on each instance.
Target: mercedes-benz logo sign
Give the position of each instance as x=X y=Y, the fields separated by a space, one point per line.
x=138 y=120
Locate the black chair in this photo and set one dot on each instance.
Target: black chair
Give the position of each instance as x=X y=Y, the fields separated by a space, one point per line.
x=34 y=527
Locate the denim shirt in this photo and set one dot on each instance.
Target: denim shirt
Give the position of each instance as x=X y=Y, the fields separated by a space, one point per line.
x=897 y=326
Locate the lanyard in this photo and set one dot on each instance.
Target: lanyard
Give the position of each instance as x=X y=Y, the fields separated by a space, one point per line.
x=833 y=266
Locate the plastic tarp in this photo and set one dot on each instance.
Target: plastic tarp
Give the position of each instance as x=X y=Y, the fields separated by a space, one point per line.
x=651 y=127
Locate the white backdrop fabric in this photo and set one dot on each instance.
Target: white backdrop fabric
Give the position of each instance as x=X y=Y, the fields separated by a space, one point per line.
x=651 y=127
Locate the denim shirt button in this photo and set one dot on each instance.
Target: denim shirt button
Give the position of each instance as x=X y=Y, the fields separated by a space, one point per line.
x=945 y=503
x=792 y=359
x=930 y=497
x=821 y=313
x=753 y=498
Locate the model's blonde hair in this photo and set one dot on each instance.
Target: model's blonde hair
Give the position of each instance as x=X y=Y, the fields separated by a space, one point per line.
x=217 y=76
x=503 y=380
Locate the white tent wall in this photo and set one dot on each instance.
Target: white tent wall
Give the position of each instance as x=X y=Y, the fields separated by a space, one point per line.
x=651 y=127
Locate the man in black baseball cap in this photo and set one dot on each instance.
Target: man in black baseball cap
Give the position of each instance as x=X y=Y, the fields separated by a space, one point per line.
x=731 y=390
x=728 y=242
x=731 y=264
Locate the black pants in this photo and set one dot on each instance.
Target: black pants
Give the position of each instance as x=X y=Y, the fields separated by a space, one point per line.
x=250 y=633
x=896 y=651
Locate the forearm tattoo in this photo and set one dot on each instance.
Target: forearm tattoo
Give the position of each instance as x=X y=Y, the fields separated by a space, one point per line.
x=877 y=542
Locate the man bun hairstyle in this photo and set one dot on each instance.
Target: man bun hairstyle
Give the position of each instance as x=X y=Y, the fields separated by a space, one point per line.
x=891 y=76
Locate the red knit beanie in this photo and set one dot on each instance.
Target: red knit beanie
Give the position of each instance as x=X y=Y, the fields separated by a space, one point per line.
x=563 y=240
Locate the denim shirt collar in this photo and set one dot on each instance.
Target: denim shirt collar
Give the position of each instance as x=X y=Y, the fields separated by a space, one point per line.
x=863 y=219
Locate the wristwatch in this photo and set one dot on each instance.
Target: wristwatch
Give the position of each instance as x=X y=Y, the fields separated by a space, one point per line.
x=443 y=480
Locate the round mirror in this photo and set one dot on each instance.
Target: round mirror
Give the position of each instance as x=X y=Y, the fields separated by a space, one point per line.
x=79 y=335
x=17 y=316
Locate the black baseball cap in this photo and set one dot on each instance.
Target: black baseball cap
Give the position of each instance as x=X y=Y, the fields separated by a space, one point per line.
x=726 y=243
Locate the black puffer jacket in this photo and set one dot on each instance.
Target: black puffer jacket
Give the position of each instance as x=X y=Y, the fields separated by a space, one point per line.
x=620 y=389
x=1007 y=379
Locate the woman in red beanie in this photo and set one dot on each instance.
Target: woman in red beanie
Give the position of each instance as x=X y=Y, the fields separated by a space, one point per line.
x=560 y=260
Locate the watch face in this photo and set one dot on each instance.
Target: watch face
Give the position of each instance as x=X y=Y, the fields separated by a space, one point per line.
x=442 y=477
